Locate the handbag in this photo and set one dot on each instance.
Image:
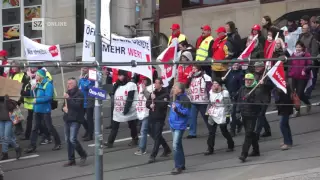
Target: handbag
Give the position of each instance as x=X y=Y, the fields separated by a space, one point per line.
x=16 y=116
x=296 y=100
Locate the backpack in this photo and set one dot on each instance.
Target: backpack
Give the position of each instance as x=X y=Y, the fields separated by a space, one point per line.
x=54 y=102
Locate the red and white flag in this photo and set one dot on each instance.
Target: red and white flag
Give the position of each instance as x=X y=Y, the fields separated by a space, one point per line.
x=247 y=52
x=310 y=82
x=270 y=52
x=168 y=55
x=277 y=76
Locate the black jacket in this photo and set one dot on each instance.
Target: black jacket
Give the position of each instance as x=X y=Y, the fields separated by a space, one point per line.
x=234 y=81
x=161 y=104
x=235 y=39
x=6 y=106
x=244 y=107
x=265 y=88
x=284 y=102
x=75 y=106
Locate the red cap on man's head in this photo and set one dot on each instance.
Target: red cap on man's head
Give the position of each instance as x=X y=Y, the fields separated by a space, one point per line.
x=3 y=53
x=221 y=29
x=175 y=26
x=206 y=28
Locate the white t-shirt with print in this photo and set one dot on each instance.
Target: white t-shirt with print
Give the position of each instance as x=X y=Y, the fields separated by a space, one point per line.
x=120 y=98
x=197 y=90
x=142 y=110
x=217 y=107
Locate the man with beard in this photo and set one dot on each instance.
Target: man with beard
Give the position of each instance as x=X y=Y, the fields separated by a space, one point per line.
x=266 y=87
x=249 y=109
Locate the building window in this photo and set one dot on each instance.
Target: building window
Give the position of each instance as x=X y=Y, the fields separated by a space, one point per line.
x=269 y=1
x=11 y=11
x=200 y=3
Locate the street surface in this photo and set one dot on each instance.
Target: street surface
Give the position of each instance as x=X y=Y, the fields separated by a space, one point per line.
x=300 y=162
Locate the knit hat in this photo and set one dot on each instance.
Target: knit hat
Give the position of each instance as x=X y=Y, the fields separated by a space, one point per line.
x=122 y=73
x=249 y=76
x=41 y=73
x=259 y=64
x=188 y=55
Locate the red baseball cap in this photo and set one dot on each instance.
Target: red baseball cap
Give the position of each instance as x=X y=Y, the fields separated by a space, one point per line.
x=206 y=28
x=175 y=26
x=3 y=53
x=221 y=29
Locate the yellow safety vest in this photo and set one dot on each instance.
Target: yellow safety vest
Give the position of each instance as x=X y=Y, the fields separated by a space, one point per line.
x=203 y=50
x=181 y=38
x=28 y=102
x=48 y=75
x=18 y=77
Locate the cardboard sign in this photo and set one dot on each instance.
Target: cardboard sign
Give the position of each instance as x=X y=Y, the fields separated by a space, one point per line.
x=92 y=75
x=10 y=87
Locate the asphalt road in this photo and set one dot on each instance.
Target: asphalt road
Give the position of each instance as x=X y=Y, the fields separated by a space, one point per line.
x=120 y=163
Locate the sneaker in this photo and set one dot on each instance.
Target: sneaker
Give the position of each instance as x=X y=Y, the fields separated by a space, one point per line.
x=134 y=142
x=45 y=142
x=266 y=134
x=166 y=153
x=30 y=149
x=69 y=163
x=140 y=152
x=176 y=171
x=152 y=160
x=108 y=145
x=83 y=160
x=56 y=147
x=285 y=147
x=254 y=154
x=18 y=152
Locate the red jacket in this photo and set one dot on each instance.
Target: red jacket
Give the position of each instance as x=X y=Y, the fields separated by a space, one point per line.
x=220 y=52
x=183 y=73
x=115 y=75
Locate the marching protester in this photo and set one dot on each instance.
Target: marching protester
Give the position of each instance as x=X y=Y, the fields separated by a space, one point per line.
x=299 y=73
x=234 y=38
x=184 y=69
x=43 y=94
x=178 y=118
x=304 y=20
x=248 y=107
x=315 y=27
x=17 y=74
x=272 y=32
x=204 y=47
x=199 y=86
x=6 y=125
x=185 y=46
x=219 y=111
x=176 y=33
x=73 y=117
x=233 y=82
x=312 y=46
x=4 y=71
x=259 y=45
x=125 y=96
x=222 y=50
x=285 y=109
x=266 y=87
x=144 y=90
x=157 y=104
x=88 y=107
x=28 y=103
x=266 y=25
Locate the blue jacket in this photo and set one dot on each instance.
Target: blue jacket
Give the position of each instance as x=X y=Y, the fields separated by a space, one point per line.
x=234 y=81
x=43 y=96
x=178 y=117
x=84 y=85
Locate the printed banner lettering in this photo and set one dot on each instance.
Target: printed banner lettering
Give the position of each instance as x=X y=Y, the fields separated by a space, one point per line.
x=121 y=50
x=40 y=52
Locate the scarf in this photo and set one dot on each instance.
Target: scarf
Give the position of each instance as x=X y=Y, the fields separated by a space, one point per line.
x=252 y=85
x=299 y=54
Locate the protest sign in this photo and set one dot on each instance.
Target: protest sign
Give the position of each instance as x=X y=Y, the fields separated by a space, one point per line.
x=40 y=52
x=105 y=21
x=10 y=87
x=121 y=50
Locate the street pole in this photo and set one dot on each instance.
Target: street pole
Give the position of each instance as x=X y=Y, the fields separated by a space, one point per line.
x=98 y=103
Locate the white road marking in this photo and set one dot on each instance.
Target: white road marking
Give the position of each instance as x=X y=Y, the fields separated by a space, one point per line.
x=166 y=132
x=24 y=157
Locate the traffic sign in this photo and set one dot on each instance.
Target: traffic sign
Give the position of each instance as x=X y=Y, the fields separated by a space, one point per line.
x=97 y=93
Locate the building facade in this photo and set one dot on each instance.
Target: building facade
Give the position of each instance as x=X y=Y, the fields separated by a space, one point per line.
x=192 y=14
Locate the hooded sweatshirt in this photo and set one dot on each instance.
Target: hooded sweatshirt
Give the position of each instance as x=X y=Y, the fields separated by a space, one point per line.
x=184 y=70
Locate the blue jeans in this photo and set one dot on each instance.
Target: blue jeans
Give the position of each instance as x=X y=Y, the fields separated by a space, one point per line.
x=46 y=118
x=285 y=130
x=144 y=134
x=7 y=136
x=262 y=122
x=178 y=152
x=71 y=130
x=195 y=108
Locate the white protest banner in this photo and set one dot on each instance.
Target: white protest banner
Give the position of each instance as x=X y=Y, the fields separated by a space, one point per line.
x=40 y=52
x=121 y=50
x=105 y=21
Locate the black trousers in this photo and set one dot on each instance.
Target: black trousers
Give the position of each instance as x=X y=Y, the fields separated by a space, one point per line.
x=115 y=128
x=236 y=122
x=155 y=131
x=299 y=85
x=88 y=123
x=29 y=124
x=212 y=135
x=251 y=138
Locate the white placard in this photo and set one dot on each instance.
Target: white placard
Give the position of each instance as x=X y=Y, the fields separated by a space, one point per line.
x=121 y=50
x=41 y=52
x=92 y=75
x=105 y=21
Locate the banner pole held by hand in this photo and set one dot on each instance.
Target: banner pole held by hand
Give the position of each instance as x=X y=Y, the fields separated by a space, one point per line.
x=63 y=84
x=257 y=84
